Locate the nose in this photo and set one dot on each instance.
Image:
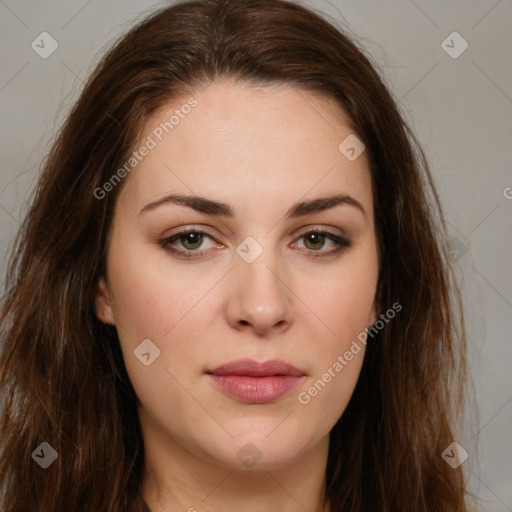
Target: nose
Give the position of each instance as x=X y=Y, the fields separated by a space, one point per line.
x=259 y=297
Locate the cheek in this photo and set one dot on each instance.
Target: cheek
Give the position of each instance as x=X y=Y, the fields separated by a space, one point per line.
x=345 y=308
x=344 y=302
x=338 y=357
x=172 y=309
x=151 y=297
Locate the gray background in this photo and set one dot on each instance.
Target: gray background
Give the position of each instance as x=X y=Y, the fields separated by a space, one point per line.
x=460 y=108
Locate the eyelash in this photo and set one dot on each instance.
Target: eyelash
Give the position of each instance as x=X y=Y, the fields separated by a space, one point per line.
x=343 y=243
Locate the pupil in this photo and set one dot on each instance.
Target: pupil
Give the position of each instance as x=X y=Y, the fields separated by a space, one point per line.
x=314 y=238
x=192 y=238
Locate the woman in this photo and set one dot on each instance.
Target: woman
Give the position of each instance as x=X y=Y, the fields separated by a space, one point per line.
x=231 y=290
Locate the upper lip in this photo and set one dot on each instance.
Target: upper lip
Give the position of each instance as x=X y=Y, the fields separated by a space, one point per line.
x=252 y=368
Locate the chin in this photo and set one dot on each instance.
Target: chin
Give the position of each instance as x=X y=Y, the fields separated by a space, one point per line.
x=258 y=450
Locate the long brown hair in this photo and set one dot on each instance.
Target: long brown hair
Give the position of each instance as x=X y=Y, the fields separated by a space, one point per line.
x=61 y=371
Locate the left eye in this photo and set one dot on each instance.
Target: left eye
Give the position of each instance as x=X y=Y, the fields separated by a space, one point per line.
x=192 y=240
x=316 y=238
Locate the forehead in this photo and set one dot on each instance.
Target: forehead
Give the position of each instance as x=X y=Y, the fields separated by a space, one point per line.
x=255 y=143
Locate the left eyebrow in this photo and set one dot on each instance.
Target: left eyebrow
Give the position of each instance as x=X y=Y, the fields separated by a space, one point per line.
x=216 y=208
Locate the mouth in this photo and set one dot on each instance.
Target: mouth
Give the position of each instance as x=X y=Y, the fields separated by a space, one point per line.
x=256 y=383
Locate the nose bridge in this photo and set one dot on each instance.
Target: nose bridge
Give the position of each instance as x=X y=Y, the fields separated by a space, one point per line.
x=259 y=296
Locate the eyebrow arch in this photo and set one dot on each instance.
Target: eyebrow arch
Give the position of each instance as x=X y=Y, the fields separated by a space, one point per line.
x=215 y=208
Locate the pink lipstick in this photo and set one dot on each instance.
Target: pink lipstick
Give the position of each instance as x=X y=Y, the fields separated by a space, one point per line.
x=256 y=383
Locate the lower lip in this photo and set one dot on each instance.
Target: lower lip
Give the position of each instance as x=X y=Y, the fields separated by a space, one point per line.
x=255 y=390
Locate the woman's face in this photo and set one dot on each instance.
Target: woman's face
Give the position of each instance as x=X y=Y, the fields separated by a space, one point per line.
x=252 y=285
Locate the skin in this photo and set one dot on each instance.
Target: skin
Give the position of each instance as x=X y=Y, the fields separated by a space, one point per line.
x=260 y=150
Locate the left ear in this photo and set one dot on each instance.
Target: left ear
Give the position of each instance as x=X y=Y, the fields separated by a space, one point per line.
x=375 y=313
x=376 y=309
x=103 y=306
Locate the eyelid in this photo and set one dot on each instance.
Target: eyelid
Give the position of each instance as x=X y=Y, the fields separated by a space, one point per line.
x=204 y=229
x=322 y=228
